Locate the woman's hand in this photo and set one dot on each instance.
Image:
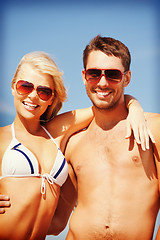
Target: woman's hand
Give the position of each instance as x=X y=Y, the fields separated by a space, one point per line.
x=136 y=122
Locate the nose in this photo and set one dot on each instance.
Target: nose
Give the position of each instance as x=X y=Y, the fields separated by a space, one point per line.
x=33 y=94
x=103 y=82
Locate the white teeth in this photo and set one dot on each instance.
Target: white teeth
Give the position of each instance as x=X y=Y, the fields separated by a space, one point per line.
x=30 y=105
x=103 y=93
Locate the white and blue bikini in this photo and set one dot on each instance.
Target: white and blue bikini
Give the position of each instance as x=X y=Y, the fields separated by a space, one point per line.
x=18 y=161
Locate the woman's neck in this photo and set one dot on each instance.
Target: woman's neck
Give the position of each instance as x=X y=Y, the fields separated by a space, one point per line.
x=31 y=126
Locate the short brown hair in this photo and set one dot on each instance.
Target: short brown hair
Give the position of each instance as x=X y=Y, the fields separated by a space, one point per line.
x=109 y=46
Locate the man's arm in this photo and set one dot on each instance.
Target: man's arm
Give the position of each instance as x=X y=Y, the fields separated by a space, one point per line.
x=66 y=203
x=154 y=125
x=158 y=235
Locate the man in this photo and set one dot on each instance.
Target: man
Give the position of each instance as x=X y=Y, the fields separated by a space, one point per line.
x=118 y=184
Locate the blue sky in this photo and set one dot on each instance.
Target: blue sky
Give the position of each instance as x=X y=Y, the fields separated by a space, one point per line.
x=63 y=28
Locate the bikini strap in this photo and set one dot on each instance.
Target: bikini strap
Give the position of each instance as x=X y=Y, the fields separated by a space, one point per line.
x=50 y=136
x=13 y=131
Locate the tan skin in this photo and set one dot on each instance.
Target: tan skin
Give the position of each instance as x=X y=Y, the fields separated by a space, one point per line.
x=29 y=207
x=118 y=184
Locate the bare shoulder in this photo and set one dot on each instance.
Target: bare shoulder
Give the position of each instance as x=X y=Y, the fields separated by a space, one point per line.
x=4 y=131
x=153 y=122
x=5 y=137
x=74 y=142
x=150 y=116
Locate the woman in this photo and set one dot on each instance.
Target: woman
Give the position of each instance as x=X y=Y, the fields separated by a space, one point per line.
x=32 y=166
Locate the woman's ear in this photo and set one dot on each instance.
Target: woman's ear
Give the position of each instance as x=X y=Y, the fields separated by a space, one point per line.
x=13 y=89
x=127 y=78
x=51 y=99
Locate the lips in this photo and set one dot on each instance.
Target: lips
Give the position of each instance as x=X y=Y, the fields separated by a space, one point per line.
x=30 y=106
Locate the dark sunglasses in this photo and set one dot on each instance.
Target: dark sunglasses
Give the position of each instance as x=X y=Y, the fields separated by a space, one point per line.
x=23 y=87
x=112 y=75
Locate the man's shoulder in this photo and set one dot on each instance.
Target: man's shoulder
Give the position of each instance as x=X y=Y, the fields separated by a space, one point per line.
x=76 y=139
x=152 y=116
x=78 y=134
x=153 y=122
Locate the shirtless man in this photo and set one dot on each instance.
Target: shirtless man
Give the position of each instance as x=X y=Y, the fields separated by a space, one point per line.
x=118 y=184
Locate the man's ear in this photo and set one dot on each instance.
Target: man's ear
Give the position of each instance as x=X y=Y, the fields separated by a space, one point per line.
x=127 y=78
x=83 y=77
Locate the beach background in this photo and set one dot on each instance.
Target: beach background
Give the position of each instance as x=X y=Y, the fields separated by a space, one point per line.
x=63 y=28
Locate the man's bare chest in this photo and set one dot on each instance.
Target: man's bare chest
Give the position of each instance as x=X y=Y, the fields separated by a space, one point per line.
x=96 y=155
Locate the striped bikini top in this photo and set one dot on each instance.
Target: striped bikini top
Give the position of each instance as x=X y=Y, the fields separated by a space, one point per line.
x=19 y=161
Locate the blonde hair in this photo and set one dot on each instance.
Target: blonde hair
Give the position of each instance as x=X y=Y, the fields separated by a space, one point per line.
x=42 y=62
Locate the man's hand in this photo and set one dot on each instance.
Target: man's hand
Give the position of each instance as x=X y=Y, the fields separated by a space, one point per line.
x=4 y=202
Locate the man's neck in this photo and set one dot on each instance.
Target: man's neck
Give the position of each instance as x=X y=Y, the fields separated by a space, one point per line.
x=108 y=118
